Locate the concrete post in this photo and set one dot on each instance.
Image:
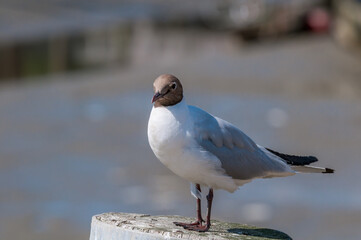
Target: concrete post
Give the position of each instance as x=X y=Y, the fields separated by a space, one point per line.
x=114 y=226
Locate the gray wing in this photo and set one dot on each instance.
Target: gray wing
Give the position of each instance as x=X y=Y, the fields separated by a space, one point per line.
x=241 y=158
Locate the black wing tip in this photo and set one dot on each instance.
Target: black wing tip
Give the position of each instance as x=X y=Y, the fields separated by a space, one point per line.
x=293 y=159
x=329 y=170
x=313 y=158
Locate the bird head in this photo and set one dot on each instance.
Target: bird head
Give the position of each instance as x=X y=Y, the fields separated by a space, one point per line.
x=168 y=91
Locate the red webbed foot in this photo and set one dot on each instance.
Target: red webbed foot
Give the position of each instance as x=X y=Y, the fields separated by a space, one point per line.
x=187 y=225
x=198 y=228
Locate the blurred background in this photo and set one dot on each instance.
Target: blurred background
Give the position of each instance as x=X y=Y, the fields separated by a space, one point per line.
x=75 y=88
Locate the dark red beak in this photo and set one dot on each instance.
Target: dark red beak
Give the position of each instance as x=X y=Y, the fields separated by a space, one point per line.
x=156 y=96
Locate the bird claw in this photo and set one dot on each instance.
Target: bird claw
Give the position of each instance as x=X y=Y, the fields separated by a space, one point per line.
x=198 y=228
x=186 y=225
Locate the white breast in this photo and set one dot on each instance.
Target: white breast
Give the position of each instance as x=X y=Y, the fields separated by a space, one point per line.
x=168 y=128
x=170 y=135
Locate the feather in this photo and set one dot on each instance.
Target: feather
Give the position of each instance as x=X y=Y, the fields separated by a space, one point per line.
x=240 y=157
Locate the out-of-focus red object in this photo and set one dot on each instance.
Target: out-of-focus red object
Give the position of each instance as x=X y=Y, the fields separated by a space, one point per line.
x=318 y=20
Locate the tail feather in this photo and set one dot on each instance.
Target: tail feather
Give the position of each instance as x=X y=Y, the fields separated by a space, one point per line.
x=312 y=169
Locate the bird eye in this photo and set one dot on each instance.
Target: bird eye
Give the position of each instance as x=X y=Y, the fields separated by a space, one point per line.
x=173 y=86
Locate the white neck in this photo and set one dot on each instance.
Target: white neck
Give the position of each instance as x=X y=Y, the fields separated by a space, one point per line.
x=179 y=111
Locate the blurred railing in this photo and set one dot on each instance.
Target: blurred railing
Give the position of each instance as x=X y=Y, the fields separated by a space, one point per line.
x=53 y=36
x=67 y=51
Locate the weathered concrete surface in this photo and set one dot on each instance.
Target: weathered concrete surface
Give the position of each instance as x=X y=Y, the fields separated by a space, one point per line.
x=146 y=227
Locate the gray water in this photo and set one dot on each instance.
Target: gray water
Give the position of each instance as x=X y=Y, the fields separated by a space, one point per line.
x=77 y=146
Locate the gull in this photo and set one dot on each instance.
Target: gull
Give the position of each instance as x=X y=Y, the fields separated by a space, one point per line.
x=209 y=151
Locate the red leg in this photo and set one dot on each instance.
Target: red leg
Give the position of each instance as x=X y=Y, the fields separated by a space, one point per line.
x=199 y=214
x=200 y=227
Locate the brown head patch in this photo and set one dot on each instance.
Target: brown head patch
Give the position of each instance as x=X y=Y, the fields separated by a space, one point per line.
x=168 y=91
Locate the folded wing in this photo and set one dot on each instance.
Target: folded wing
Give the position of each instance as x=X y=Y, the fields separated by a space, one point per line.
x=241 y=158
